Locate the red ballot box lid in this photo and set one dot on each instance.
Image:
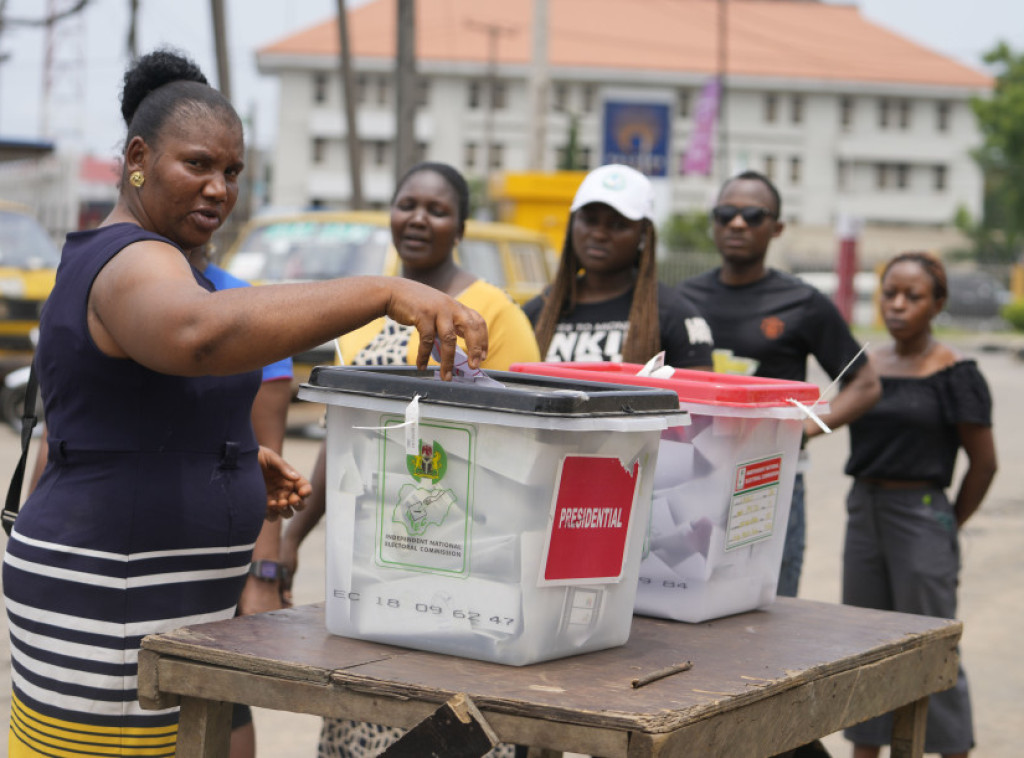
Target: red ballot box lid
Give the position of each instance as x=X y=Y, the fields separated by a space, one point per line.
x=706 y=387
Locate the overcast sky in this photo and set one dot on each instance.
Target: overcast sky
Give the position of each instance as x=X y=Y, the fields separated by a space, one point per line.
x=91 y=55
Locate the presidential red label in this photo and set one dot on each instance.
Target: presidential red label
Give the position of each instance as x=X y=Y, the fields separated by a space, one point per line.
x=591 y=517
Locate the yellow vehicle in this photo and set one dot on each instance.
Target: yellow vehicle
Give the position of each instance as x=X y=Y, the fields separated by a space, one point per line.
x=28 y=267
x=330 y=244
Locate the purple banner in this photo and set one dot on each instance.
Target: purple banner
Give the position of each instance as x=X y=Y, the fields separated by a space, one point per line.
x=697 y=159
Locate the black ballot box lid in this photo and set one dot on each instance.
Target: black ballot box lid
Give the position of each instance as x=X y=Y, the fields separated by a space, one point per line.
x=514 y=393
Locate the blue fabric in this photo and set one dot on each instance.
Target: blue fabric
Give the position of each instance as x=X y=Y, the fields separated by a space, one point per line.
x=222 y=280
x=796 y=539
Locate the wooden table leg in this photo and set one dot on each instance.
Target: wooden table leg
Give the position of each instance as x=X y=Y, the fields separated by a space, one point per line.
x=204 y=729
x=908 y=730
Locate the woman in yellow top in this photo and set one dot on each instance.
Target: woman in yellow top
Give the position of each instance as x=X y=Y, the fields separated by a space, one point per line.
x=428 y=217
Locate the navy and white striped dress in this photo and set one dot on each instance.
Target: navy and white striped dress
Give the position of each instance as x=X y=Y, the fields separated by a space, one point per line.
x=143 y=521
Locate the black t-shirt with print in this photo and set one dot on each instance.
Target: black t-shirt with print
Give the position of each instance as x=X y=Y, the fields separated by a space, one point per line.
x=597 y=331
x=778 y=321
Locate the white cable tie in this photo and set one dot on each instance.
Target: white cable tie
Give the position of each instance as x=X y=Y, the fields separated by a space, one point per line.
x=840 y=375
x=652 y=365
x=810 y=414
x=412 y=426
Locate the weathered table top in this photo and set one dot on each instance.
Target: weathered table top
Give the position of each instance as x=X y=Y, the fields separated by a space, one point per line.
x=760 y=683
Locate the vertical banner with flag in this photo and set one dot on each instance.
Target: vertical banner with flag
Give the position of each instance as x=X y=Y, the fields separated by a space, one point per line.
x=699 y=154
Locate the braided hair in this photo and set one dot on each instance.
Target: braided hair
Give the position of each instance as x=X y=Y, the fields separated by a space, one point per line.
x=643 y=340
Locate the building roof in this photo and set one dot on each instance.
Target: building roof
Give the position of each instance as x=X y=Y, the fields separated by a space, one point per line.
x=766 y=38
x=95 y=170
x=19 y=149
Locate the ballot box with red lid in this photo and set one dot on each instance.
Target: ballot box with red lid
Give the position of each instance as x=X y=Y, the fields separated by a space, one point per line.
x=722 y=489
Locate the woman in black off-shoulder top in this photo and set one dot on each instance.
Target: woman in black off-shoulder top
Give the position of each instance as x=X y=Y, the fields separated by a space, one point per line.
x=902 y=543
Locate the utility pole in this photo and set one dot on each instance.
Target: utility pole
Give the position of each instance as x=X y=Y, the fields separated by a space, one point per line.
x=355 y=152
x=133 y=29
x=493 y=32
x=220 y=41
x=723 y=67
x=538 y=94
x=405 y=88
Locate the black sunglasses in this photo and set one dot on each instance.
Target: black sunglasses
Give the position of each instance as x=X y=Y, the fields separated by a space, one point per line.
x=753 y=215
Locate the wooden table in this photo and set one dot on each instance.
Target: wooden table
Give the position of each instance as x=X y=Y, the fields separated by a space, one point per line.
x=761 y=683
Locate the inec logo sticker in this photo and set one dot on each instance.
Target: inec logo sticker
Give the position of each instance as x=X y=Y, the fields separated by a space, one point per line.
x=431 y=462
x=425 y=501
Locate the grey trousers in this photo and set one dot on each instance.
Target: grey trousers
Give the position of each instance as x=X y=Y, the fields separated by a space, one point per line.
x=902 y=553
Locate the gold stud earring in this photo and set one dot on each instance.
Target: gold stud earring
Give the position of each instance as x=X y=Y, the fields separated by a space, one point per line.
x=137 y=179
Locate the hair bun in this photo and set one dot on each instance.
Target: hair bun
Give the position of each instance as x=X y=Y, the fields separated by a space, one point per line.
x=152 y=71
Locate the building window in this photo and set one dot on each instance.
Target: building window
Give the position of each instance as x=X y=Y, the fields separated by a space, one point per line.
x=769 y=167
x=319 y=150
x=382 y=90
x=942 y=111
x=881 y=175
x=361 y=87
x=496 y=157
x=421 y=152
x=499 y=94
x=320 y=88
x=422 y=92
x=683 y=98
x=883 y=113
x=902 y=175
x=795 y=167
x=473 y=95
x=797 y=109
x=939 y=178
x=905 y=111
x=380 y=153
x=469 y=155
x=842 y=175
x=583 y=156
x=589 y=96
x=560 y=97
x=771 y=106
x=846 y=112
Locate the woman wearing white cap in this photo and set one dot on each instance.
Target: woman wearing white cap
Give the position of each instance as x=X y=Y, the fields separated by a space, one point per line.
x=606 y=303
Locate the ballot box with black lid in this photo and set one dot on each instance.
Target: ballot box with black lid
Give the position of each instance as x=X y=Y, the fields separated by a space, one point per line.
x=501 y=518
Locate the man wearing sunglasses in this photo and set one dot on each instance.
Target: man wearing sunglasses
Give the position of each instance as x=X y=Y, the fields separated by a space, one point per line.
x=772 y=321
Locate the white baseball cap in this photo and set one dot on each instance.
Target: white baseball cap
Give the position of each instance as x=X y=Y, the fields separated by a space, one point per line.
x=623 y=188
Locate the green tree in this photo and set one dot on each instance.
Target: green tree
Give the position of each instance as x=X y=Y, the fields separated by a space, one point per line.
x=570 y=159
x=687 y=232
x=1000 y=233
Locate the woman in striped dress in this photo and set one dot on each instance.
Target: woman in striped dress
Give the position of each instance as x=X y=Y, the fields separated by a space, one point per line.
x=146 y=514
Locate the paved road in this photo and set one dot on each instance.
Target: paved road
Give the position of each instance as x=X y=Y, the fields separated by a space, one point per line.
x=990 y=599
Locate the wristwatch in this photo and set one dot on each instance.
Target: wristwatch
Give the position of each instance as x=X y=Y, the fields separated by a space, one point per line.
x=268 y=571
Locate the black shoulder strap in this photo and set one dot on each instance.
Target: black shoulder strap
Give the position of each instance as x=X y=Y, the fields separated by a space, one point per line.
x=28 y=423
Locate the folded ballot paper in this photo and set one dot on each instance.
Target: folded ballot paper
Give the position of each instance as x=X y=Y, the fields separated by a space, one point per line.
x=496 y=518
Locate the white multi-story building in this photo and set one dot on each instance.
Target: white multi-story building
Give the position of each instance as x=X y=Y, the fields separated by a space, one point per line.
x=848 y=119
